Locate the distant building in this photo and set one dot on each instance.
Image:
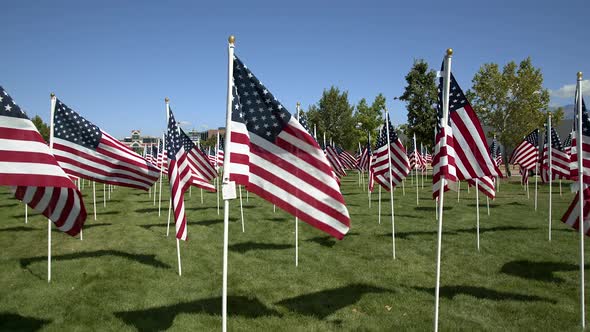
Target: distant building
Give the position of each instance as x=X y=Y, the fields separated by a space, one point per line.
x=138 y=142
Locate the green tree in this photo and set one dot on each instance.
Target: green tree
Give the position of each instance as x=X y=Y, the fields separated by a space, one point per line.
x=421 y=96
x=42 y=127
x=512 y=102
x=368 y=118
x=333 y=115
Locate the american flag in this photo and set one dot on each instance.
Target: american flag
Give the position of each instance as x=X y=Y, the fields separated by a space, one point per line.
x=162 y=156
x=179 y=175
x=400 y=165
x=277 y=159
x=572 y=215
x=524 y=173
x=496 y=154
x=346 y=158
x=334 y=160
x=365 y=156
x=567 y=144
x=526 y=154
x=84 y=150
x=560 y=161
x=220 y=150
x=416 y=159
x=428 y=157
x=211 y=156
x=28 y=166
x=461 y=149
x=202 y=170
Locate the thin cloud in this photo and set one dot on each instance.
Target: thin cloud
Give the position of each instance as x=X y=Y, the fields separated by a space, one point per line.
x=569 y=90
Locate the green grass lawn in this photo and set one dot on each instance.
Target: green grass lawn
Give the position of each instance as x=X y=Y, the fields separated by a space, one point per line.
x=123 y=275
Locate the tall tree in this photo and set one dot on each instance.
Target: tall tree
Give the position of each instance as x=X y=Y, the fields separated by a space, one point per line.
x=333 y=115
x=512 y=102
x=42 y=127
x=368 y=118
x=421 y=96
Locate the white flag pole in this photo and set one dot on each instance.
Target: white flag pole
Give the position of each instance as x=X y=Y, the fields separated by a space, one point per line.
x=445 y=109
x=416 y=169
x=104 y=195
x=424 y=169
x=536 y=178
x=477 y=209
x=550 y=171
x=458 y=189
x=560 y=195
x=94 y=197
x=51 y=133
x=581 y=224
x=488 y=203
x=379 y=204
x=228 y=194
x=297 y=110
x=217 y=168
x=161 y=175
x=155 y=189
x=26 y=213
x=390 y=184
x=369 y=172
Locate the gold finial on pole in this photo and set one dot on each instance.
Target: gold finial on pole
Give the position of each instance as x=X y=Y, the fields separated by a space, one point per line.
x=52 y=95
x=298 y=104
x=231 y=39
x=580 y=75
x=449 y=51
x=549 y=114
x=166 y=99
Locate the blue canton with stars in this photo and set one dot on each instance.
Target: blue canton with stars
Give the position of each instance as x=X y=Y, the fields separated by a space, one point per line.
x=173 y=141
x=72 y=127
x=8 y=107
x=585 y=118
x=457 y=99
x=186 y=141
x=555 y=141
x=382 y=140
x=533 y=138
x=568 y=141
x=255 y=106
x=495 y=148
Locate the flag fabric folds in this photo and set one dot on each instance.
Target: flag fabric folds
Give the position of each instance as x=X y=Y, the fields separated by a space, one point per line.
x=201 y=169
x=273 y=156
x=526 y=154
x=572 y=215
x=461 y=151
x=179 y=175
x=400 y=164
x=346 y=158
x=365 y=157
x=84 y=150
x=334 y=160
x=560 y=160
x=34 y=175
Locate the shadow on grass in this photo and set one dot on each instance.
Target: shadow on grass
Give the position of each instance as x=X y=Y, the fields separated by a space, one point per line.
x=516 y=203
x=17 y=229
x=16 y=322
x=9 y=205
x=139 y=258
x=328 y=241
x=161 y=318
x=406 y=235
x=483 y=205
x=431 y=208
x=326 y=302
x=90 y=225
x=248 y=246
x=409 y=216
x=495 y=229
x=98 y=213
x=200 y=208
x=147 y=210
x=450 y=292
x=542 y=271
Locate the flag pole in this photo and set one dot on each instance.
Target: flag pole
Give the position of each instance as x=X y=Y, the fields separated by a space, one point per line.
x=390 y=185
x=488 y=204
x=369 y=170
x=228 y=194
x=104 y=195
x=458 y=189
x=26 y=213
x=217 y=169
x=297 y=107
x=581 y=225
x=161 y=175
x=536 y=178
x=477 y=209
x=94 y=198
x=379 y=204
x=550 y=171
x=51 y=134
x=416 y=169
x=424 y=158
x=445 y=109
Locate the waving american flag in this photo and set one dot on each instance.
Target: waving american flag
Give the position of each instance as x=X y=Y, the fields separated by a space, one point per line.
x=385 y=155
x=277 y=159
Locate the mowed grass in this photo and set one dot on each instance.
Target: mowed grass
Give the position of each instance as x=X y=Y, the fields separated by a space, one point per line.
x=123 y=275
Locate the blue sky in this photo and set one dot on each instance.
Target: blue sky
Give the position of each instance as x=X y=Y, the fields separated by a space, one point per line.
x=115 y=61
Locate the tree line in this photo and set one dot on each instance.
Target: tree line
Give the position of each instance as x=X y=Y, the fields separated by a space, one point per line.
x=509 y=100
